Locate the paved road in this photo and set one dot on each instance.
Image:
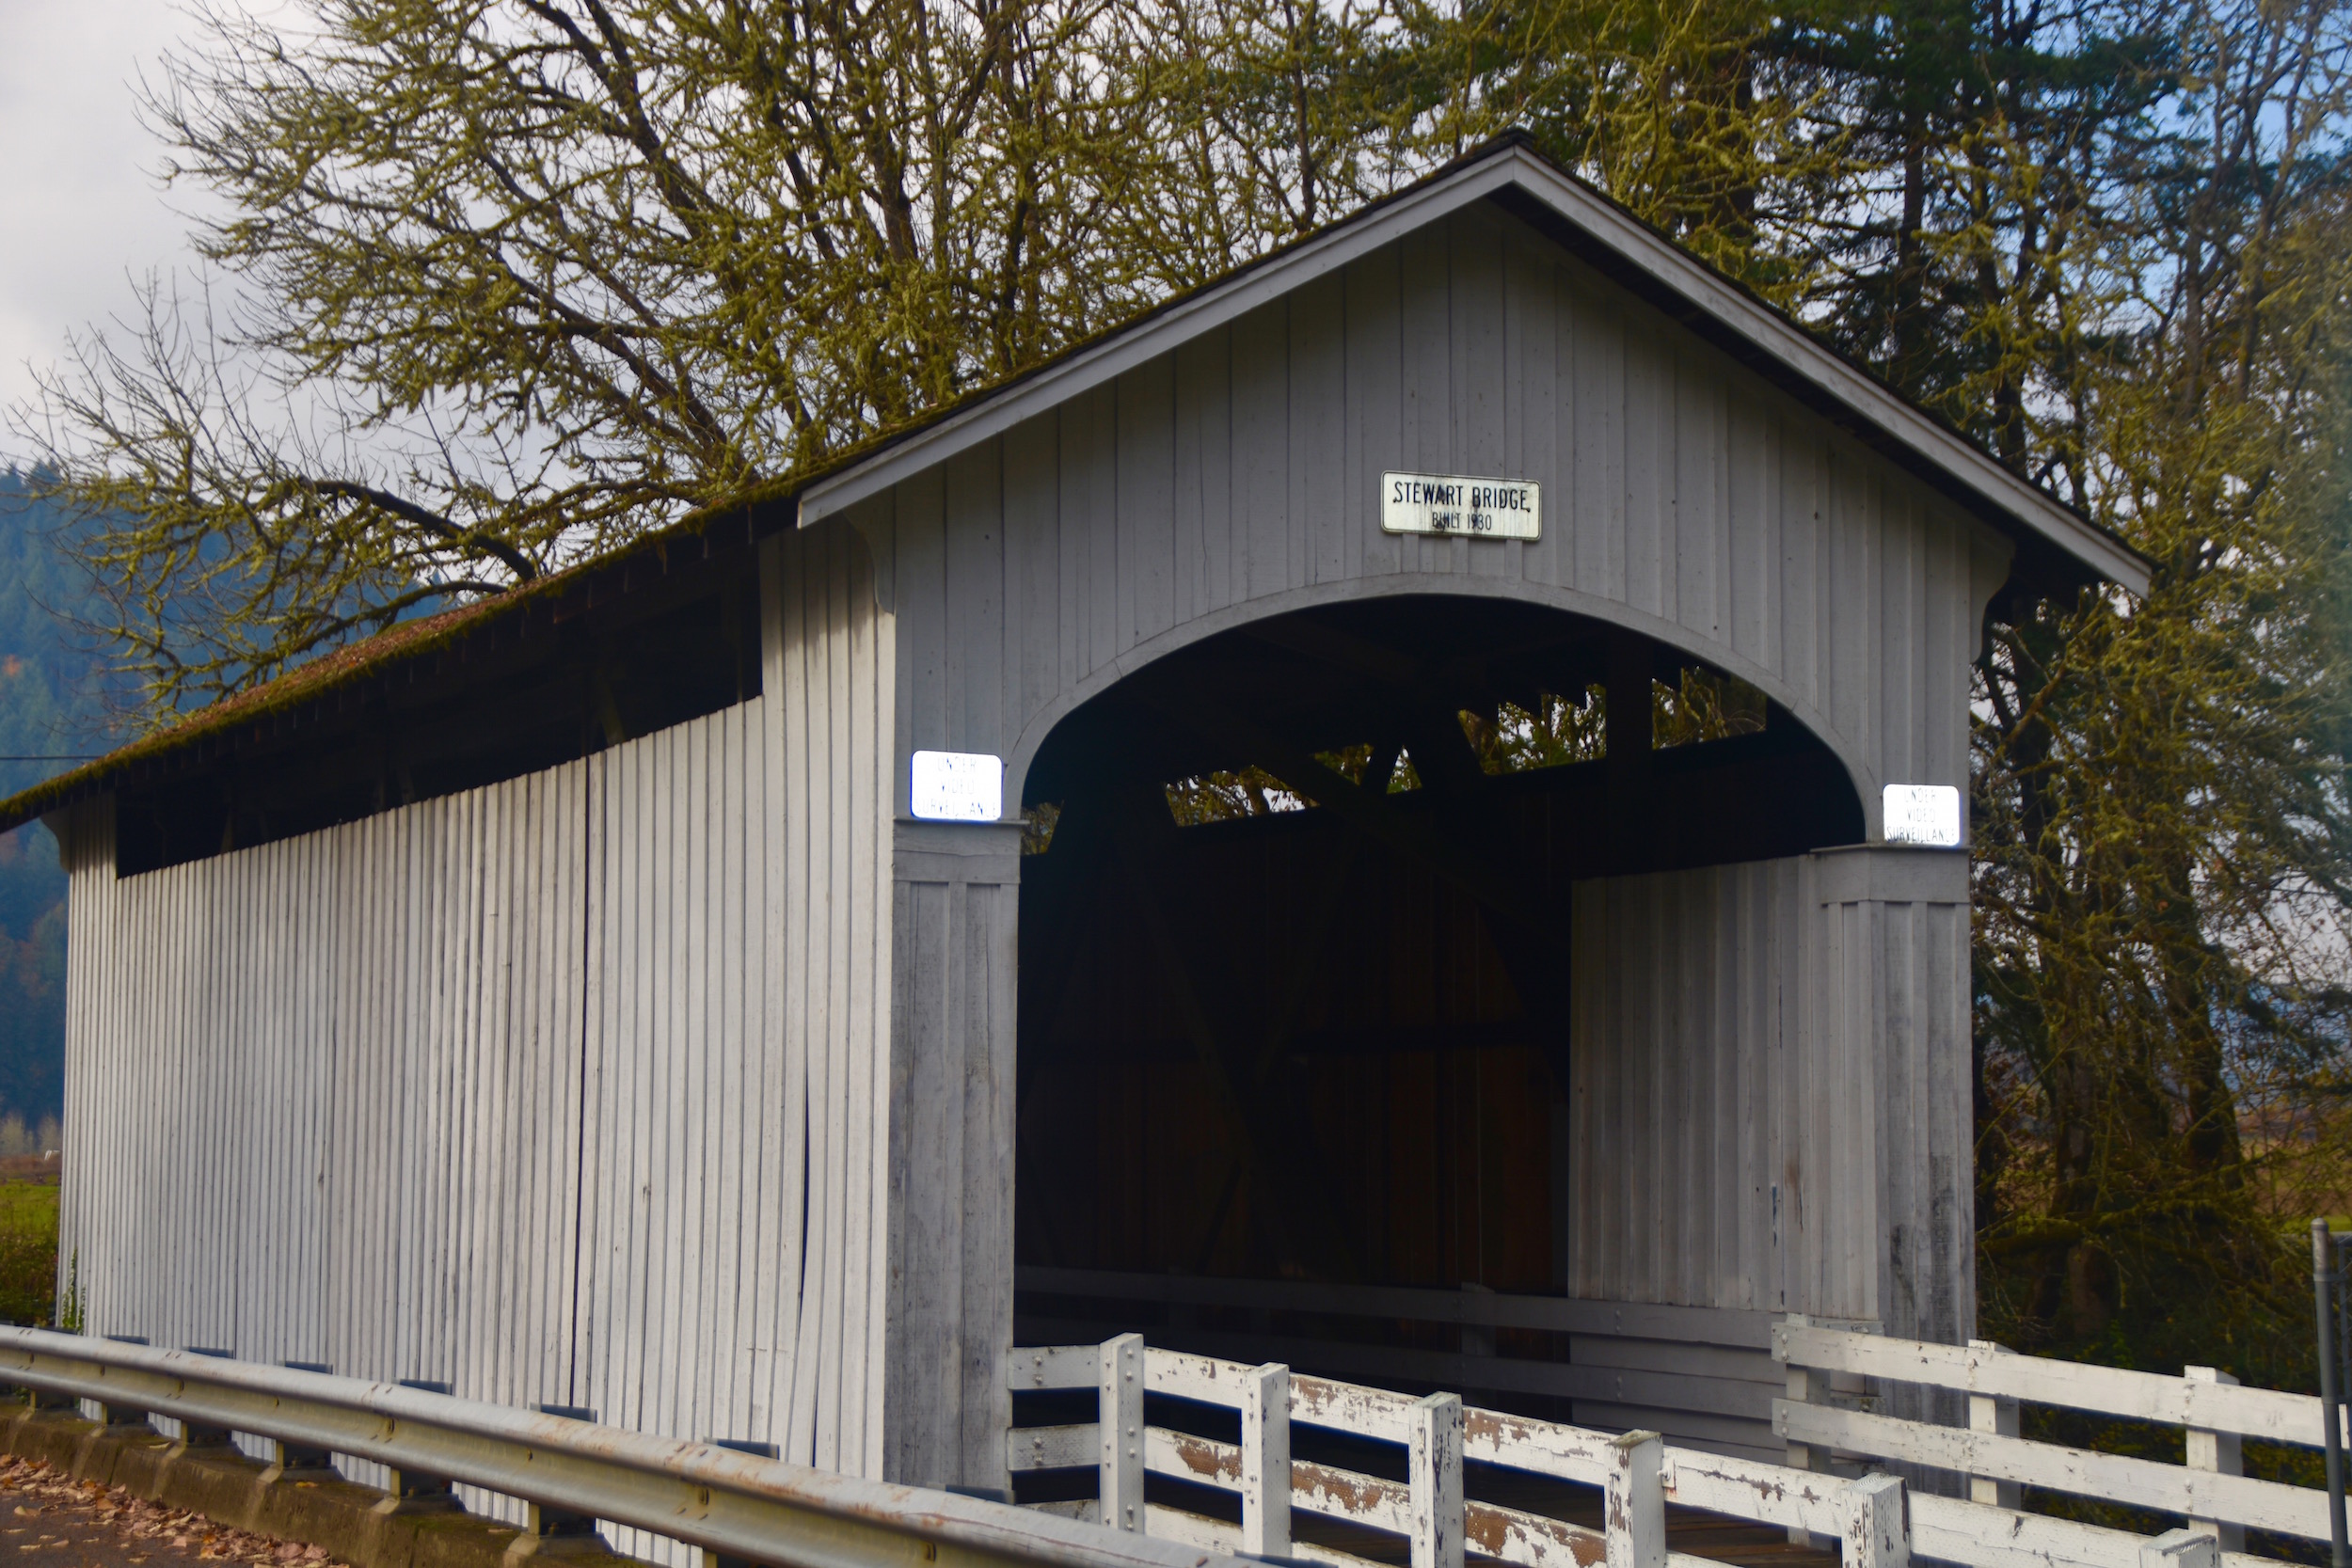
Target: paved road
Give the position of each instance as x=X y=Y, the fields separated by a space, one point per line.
x=80 y=1524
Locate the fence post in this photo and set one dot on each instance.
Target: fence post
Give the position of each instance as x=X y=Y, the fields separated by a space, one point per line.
x=2219 y=1452
x=2180 y=1548
x=1997 y=1417
x=1802 y=1388
x=1119 y=1416
x=1633 y=1509
x=1265 y=1461
x=1878 y=1524
x=1434 y=1461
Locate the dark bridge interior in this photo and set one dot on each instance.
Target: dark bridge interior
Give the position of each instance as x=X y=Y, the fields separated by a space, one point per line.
x=1295 y=988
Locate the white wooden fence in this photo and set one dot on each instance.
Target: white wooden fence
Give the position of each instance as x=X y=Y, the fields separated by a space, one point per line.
x=2214 y=1413
x=1822 y=1492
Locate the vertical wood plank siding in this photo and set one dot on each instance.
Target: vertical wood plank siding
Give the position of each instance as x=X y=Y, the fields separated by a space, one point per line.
x=953 y=1018
x=516 y=1088
x=1769 y=1104
x=1238 y=476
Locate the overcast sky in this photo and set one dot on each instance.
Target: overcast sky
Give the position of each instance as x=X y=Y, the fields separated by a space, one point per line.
x=81 y=211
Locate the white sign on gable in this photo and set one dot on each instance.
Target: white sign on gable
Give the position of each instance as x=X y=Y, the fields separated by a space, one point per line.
x=1454 y=503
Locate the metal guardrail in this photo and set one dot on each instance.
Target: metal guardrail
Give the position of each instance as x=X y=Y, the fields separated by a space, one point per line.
x=736 y=1504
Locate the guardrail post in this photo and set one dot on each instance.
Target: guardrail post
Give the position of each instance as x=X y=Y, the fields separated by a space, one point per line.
x=1434 y=1470
x=113 y=1415
x=1119 y=1419
x=704 y=1555
x=411 y=1490
x=2180 y=1548
x=1634 y=1507
x=1265 y=1461
x=1878 y=1527
x=1997 y=1417
x=302 y=1458
x=542 y=1523
x=2220 y=1452
x=198 y=1434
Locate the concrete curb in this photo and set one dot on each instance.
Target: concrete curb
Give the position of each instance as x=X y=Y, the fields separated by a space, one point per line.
x=357 y=1524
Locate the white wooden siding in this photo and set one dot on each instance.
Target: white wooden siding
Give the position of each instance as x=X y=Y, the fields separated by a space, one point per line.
x=1769 y=1092
x=516 y=1088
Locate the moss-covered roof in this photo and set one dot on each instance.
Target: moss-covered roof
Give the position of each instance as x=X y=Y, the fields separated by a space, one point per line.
x=331 y=673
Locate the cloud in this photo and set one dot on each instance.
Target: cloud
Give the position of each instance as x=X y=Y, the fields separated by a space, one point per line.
x=82 y=211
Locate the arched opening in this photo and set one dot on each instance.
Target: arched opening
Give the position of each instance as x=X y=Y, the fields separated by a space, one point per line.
x=1297 y=1002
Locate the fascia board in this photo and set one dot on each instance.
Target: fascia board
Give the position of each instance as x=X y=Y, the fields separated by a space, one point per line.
x=1749 y=329
x=1772 y=337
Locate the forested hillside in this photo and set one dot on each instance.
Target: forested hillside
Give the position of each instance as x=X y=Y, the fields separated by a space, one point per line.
x=48 y=706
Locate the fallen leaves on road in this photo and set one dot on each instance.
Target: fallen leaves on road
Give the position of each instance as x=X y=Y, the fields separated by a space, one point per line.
x=87 y=1503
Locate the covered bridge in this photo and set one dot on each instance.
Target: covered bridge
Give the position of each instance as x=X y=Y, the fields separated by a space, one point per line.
x=642 y=993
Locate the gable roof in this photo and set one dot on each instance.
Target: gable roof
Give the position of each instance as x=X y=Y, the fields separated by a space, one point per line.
x=2056 y=545
x=2060 y=542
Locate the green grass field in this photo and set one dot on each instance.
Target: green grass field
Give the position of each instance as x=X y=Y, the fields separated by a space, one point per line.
x=28 y=1251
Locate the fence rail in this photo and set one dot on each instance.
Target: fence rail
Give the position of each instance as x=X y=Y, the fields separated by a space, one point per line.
x=735 y=1504
x=1869 y=1517
x=1636 y=1473
x=2214 y=1413
x=1698 y=1371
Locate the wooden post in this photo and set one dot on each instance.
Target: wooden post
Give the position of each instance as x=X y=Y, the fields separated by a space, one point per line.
x=1878 y=1527
x=1434 y=1468
x=2180 y=1548
x=1120 y=1416
x=1478 y=1338
x=2219 y=1452
x=1803 y=1386
x=1633 y=1509
x=1999 y=1418
x=1266 y=1461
